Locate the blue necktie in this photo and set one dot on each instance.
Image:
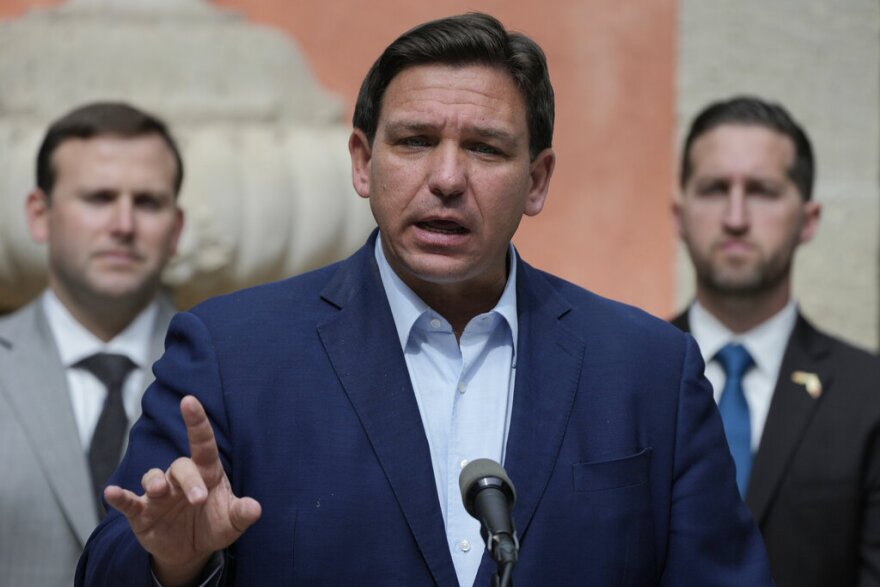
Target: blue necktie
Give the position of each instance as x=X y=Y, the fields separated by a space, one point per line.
x=735 y=360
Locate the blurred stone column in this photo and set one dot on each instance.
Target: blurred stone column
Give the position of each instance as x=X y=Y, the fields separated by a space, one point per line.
x=822 y=61
x=267 y=190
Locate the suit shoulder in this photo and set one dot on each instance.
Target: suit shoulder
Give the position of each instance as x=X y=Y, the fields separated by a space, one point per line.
x=267 y=297
x=18 y=322
x=846 y=352
x=592 y=311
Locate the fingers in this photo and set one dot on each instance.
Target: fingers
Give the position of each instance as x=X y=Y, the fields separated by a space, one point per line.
x=202 y=445
x=154 y=483
x=123 y=500
x=243 y=513
x=130 y=504
x=186 y=475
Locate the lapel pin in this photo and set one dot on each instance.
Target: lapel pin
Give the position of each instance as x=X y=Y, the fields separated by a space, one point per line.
x=810 y=381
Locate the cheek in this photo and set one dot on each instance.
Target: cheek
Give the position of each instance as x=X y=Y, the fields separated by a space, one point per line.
x=70 y=231
x=393 y=187
x=779 y=232
x=500 y=195
x=696 y=225
x=397 y=173
x=158 y=234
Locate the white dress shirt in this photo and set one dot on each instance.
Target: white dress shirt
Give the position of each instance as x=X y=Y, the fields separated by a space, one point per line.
x=765 y=343
x=75 y=342
x=464 y=391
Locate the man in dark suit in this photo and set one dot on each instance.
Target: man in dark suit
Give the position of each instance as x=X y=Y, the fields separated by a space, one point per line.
x=801 y=409
x=344 y=402
x=106 y=206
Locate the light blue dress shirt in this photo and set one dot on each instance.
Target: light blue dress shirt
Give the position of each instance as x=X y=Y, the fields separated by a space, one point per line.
x=464 y=393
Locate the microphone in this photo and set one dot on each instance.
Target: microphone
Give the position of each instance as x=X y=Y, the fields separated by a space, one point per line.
x=488 y=495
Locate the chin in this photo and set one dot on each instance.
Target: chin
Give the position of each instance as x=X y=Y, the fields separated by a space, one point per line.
x=438 y=270
x=740 y=286
x=119 y=290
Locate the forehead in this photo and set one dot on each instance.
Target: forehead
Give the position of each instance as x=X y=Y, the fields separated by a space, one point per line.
x=437 y=92
x=110 y=157
x=742 y=149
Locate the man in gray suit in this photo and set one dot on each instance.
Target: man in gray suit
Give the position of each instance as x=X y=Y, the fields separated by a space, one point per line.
x=74 y=363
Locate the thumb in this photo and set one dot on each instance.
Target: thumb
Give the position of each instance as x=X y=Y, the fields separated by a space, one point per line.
x=243 y=513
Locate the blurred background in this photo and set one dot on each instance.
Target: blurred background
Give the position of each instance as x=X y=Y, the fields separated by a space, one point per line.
x=260 y=95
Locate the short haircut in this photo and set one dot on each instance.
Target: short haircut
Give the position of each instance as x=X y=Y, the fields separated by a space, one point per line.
x=749 y=110
x=467 y=39
x=97 y=119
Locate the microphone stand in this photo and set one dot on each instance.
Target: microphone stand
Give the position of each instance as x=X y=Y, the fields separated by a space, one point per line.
x=505 y=570
x=504 y=549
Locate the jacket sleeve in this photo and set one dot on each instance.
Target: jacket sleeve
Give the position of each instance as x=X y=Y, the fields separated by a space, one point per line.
x=112 y=555
x=713 y=539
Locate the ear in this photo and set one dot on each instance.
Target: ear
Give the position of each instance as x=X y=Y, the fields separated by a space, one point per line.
x=178 y=228
x=361 y=155
x=677 y=211
x=540 y=171
x=37 y=209
x=812 y=213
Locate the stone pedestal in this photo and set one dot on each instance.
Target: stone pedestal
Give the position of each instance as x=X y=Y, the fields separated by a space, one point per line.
x=267 y=191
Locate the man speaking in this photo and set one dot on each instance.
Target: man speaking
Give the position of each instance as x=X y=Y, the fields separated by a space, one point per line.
x=325 y=418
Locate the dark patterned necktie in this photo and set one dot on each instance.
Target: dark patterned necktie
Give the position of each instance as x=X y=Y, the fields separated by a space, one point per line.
x=735 y=360
x=105 y=449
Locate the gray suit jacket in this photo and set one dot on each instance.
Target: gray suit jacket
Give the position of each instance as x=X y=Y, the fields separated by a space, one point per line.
x=47 y=508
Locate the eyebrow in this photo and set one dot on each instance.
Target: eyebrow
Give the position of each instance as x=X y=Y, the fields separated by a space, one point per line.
x=158 y=193
x=394 y=128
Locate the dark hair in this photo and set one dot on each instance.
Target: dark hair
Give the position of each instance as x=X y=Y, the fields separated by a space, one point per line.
x=749 y=110
x=101 y=119
x=467 y=39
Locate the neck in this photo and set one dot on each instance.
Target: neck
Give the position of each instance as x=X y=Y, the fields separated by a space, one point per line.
x=741 y=313
x=104 y=318
x=460 y=304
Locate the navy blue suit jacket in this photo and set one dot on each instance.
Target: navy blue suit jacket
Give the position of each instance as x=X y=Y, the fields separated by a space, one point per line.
x=615 y=446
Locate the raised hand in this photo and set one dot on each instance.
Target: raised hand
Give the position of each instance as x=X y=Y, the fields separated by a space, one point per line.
x=189 y=511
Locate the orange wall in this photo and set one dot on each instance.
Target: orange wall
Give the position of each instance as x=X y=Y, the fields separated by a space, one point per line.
x=606 y=225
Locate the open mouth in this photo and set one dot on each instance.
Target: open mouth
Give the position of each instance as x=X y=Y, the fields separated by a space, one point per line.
x=442 y=227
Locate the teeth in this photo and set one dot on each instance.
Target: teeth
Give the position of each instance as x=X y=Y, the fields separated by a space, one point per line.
x=443 y=227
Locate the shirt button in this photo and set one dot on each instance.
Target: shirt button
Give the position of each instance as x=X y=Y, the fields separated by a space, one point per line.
x=435 y=323
x=464 y=545
x=462 y=388
x=463 y=463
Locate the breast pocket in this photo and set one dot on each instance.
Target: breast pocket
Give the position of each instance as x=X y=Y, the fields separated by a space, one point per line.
x=618 y=473
x=607 y=523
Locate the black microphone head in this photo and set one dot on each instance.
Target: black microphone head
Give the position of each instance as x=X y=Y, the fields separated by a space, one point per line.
x=480 y=474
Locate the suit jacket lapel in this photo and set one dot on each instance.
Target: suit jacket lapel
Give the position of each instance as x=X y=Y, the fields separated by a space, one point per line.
x=362 y=344
x=34 y=381
x=791 y=411
x=548 y=370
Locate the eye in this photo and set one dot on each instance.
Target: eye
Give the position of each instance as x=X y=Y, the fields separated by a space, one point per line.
x=713 y=188
x=763 y=190
x=484 y=149
x=100 y=197
x=149 y=202
x=415 y=142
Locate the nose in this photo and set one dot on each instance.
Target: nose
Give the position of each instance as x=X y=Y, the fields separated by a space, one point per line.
x=448 y=173
x=123 y=216
x=736 y=212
